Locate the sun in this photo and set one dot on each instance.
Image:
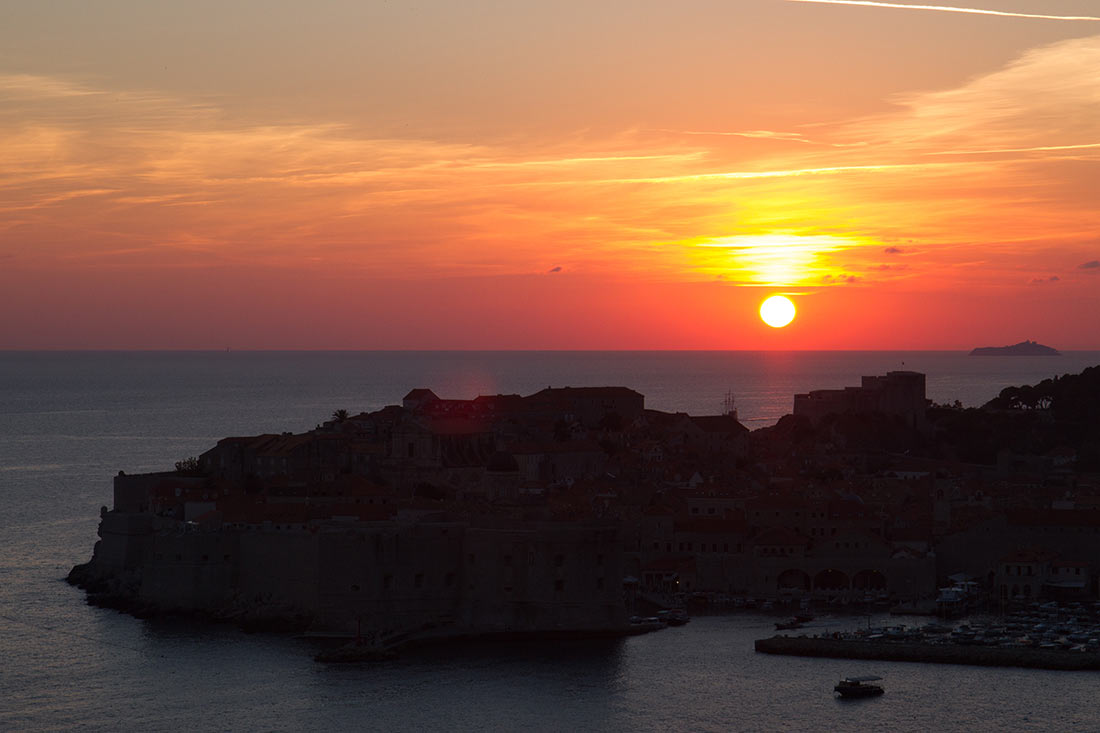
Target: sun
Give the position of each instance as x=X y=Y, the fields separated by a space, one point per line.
x=777 y=311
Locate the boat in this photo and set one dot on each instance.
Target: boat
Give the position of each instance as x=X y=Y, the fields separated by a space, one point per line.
x=791 y=623
x=859 y=687
x=356 y=651
x=674 y=616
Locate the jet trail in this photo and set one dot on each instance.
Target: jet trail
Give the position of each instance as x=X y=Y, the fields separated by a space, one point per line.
x=948 y=9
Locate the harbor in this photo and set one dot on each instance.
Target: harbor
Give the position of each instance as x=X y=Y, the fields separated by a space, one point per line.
x=1045 y=636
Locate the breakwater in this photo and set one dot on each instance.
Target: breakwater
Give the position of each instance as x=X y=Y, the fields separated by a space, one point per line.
x=934 y=653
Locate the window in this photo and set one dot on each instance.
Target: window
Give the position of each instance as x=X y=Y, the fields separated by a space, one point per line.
x=559 y=560
x=559 y=585
x=418 y=580
x=387 y=581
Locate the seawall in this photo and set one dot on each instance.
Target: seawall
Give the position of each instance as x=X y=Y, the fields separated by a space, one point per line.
x=930 y=653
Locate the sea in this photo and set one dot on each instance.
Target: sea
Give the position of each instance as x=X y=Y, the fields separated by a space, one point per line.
x=69 y=421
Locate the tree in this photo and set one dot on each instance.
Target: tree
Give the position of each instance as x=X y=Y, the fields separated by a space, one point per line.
x=189 y=466
x=340 y=415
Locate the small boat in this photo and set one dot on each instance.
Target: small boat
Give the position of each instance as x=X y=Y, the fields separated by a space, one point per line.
x=674 y=616
x=859 y=687
x=791 y=623
x=355 y=652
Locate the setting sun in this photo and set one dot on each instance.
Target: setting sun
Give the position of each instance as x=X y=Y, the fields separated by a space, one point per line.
x=777 y=311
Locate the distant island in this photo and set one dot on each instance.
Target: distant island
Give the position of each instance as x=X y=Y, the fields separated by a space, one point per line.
x=1024 y=348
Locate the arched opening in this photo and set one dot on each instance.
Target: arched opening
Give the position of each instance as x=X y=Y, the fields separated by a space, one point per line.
x=869 y=580
x=831 y=580
x=793 y=580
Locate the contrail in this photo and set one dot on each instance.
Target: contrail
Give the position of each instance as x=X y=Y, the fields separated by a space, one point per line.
x=1038 y=149
x=948 y=9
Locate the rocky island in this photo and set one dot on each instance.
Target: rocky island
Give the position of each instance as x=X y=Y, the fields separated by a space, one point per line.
x=1024 y=348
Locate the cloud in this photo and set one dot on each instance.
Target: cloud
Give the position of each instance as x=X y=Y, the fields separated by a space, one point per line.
x=893 y=250
x=1044 y=280
x=1044 y=102
x=555 y=269
x=840 y=279
x=1090 y=265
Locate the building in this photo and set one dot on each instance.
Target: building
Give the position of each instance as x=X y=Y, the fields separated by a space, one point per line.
x=900 y=393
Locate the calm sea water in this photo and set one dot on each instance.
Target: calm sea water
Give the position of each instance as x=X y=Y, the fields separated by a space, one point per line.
x=70 y=421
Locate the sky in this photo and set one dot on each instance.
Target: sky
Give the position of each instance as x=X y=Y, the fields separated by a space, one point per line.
x=353 y=174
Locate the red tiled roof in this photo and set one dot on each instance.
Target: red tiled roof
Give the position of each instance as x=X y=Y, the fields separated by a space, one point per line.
x=1029 y=555
x=1055 y=518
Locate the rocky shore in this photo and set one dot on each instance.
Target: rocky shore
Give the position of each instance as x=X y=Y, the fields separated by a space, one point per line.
x=121 y=593
x=934 y=653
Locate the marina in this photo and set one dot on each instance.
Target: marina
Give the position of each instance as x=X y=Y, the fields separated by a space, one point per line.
x=1043 y=636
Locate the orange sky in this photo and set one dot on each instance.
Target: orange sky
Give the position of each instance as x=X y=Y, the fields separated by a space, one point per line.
x=487 y=175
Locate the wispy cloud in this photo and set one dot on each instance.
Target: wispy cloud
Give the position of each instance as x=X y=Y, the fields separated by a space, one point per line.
x=208 y=186
x=950 y=9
